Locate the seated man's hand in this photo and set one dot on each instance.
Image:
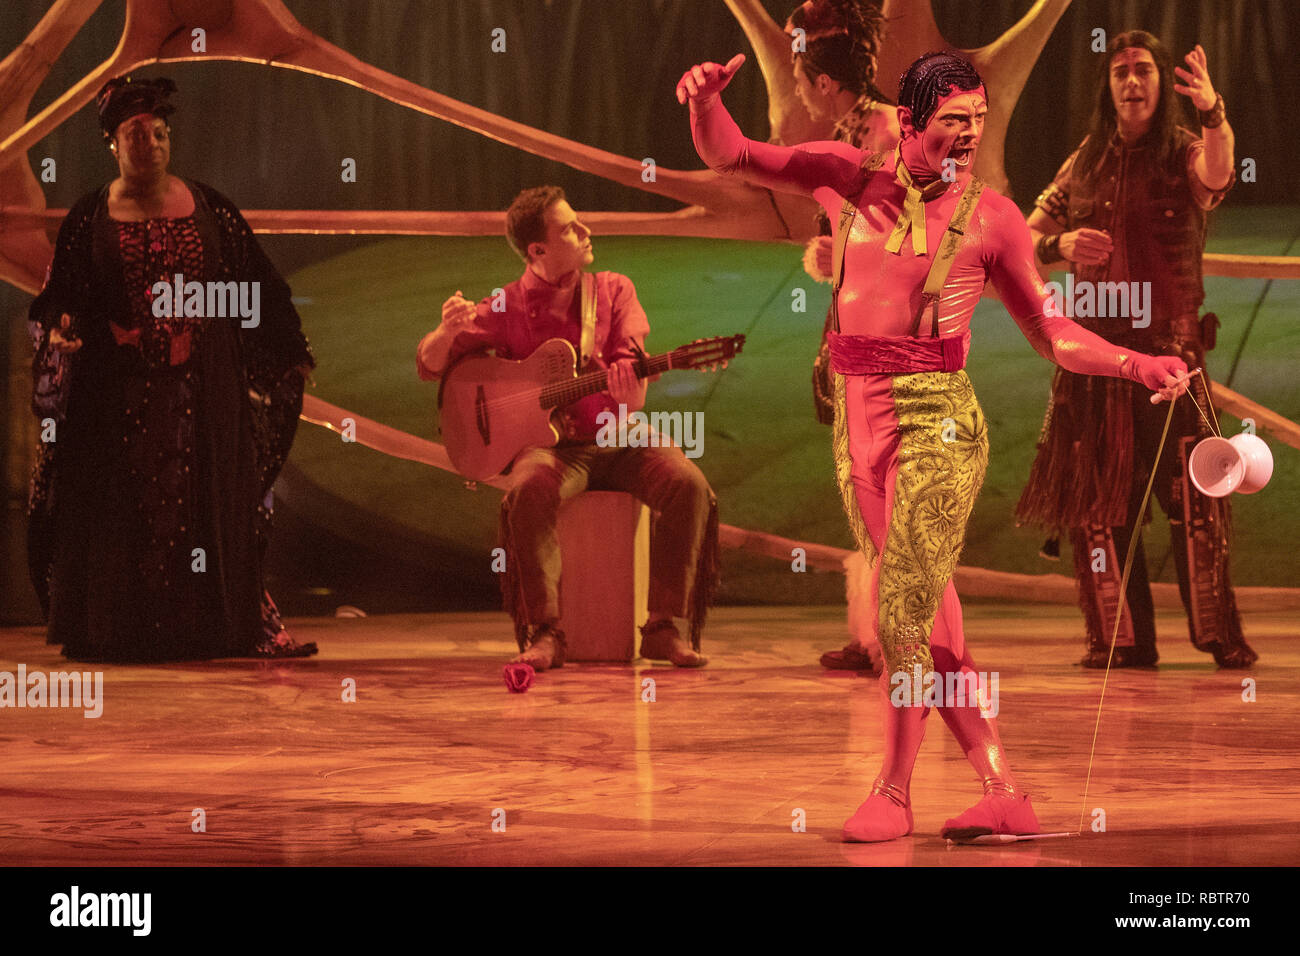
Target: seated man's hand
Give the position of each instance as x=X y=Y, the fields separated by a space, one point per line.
x=458 y=312
x=817 y=259
x=624 y=387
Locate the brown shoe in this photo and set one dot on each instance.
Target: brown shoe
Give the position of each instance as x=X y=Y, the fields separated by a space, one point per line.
x=1232 y=658
x=850 y=658
x=1098 y=657
x=545 y=651
x=661 y=642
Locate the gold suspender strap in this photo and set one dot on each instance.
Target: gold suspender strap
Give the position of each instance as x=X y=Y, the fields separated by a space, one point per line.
x=587 y=340
x=848 y=212
x=943 y=258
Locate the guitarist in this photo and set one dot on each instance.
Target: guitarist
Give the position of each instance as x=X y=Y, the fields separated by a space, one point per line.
x=546 y=303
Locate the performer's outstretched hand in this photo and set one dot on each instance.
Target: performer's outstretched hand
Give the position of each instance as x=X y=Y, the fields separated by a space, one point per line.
x=1165 y=375
x=704 y=81
x=1196 y=83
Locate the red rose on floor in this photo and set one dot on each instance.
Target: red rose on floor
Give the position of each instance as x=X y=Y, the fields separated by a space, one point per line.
x=518 y=677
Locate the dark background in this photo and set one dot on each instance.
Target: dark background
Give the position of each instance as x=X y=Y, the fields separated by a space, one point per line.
x=603 y=72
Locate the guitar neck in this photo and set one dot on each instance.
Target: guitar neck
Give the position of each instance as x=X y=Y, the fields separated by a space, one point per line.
x=558 y=394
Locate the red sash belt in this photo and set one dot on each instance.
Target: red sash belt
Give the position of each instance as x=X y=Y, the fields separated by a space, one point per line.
x=878 y=355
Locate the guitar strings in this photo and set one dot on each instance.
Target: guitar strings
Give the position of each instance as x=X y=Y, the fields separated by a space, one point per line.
x=532 y=396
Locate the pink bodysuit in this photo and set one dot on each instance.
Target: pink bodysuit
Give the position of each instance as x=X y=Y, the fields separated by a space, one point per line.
x=918 y=443
x=881 y=291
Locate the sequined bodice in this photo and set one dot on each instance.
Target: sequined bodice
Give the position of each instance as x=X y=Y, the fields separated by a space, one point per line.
x=153 y=251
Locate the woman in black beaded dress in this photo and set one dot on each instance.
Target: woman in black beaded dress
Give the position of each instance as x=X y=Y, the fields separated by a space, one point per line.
x=161 y=435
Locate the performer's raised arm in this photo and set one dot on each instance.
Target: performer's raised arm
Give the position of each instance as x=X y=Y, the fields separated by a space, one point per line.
x=1059 y=340
x=802 y=169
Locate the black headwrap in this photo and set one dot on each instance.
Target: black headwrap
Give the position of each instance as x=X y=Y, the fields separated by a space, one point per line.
x=124 y=97
x=932 y=77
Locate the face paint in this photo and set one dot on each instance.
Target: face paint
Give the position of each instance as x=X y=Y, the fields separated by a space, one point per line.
x=953 y=134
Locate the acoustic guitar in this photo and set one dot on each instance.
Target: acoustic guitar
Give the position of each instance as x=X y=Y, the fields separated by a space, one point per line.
x=493 y=408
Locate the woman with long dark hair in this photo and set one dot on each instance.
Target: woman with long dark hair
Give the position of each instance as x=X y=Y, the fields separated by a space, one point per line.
x=168 y=377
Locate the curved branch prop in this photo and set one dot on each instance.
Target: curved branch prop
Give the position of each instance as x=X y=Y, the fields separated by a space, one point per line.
x=25 y=252
x=264 y=31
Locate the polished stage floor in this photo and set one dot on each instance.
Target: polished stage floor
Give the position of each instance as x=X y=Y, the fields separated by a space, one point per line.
x=582 y=770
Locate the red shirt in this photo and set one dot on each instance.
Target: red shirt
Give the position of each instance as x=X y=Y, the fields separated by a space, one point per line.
x=533 y=310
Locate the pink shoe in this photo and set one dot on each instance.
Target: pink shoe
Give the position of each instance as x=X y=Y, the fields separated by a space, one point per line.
x=996 y=813
x=877 y=820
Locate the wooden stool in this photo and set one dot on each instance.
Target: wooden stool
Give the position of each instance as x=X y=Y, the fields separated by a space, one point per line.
x=605 y=580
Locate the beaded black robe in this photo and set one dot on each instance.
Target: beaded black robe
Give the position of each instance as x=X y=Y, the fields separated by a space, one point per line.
x=161 y=437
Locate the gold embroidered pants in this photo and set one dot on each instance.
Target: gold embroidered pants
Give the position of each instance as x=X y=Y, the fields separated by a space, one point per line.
x=910 y=453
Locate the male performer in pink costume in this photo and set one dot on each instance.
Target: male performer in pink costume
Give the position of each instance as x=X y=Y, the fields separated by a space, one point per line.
x=911 y=440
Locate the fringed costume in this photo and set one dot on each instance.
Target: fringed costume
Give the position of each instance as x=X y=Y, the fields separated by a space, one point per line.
x=1099 y=435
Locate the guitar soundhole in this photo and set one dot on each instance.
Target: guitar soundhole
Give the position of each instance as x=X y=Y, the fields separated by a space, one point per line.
x=481 y=416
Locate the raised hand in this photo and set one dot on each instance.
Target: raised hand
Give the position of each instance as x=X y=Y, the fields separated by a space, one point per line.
x=1196 y=81
x=706 y=80
x=458 y=312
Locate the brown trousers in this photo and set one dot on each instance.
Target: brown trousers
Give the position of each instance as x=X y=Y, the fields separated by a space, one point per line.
x=683 y=529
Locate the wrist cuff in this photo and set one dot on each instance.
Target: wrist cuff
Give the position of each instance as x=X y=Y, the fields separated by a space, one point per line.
x=1049 y=248
x=1213 y=117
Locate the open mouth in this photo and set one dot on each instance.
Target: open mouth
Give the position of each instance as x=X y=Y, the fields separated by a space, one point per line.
x=961 y=155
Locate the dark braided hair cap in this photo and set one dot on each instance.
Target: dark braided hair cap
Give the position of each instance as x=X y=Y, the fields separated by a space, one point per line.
x=124 y=97
x=932 y=77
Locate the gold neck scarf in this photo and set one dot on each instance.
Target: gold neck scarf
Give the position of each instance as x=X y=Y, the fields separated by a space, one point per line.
x=913 y=214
